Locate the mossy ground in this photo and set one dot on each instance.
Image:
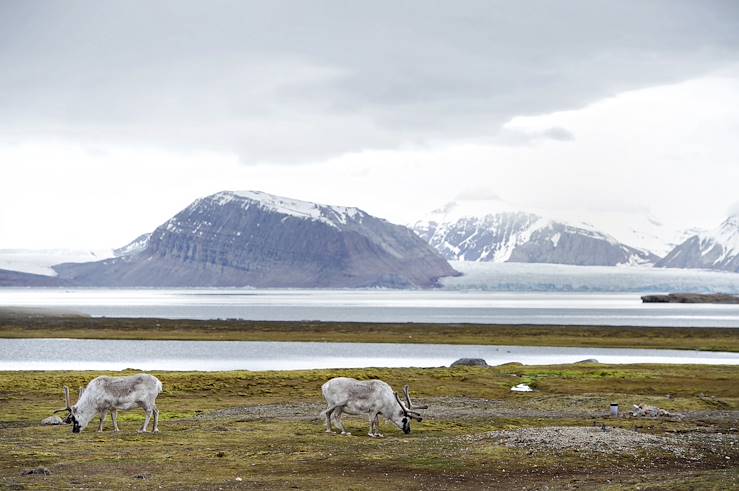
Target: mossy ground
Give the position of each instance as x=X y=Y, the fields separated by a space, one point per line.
x=276 y=441
x=15 y=325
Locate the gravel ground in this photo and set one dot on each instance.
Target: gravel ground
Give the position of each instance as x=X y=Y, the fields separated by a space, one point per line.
x=452 y=408
x=614 y=440
x=586 y=439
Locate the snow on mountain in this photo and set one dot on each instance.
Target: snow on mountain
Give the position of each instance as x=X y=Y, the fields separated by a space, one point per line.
x=136 y=245
x=330 y=215
x=492 y=230
x=40 y=261
x=638 y=229
x=713 y=249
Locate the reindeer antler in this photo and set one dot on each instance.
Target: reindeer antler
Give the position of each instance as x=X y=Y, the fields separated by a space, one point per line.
x=67 y=402
x=405 y=410
x=408 y=399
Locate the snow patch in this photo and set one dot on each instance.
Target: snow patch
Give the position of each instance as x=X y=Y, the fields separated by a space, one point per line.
x=39 y=261
x=331 y=215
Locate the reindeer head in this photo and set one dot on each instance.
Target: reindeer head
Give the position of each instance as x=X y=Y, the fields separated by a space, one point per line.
x=71 y=411
x=406 y=411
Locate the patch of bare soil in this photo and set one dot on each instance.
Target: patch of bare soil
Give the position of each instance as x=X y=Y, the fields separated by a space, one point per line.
x=303 y=411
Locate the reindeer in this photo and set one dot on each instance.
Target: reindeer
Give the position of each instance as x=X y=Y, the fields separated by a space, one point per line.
x=370 y=397
x=112 y=394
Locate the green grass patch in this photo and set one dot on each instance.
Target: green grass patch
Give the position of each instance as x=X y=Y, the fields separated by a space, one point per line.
x=35 y=326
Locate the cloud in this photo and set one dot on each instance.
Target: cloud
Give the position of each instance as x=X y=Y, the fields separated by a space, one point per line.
x=513 y=135
x=477 y=194
x=558 y=133
x=299 y=82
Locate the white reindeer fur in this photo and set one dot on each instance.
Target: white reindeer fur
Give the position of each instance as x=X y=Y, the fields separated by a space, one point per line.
x=105 y=394
x=370 y=397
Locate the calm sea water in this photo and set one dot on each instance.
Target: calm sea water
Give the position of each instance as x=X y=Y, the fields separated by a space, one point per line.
x=376 y=306
x=79 y=354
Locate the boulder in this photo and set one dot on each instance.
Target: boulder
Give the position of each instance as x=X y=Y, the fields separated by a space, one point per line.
x=52 y=420
x=649 y=412
x=470 y=362
x=521 y=388
x=37 y=471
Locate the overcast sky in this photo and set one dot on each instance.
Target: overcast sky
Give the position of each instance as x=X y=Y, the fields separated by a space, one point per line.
x=115 y=115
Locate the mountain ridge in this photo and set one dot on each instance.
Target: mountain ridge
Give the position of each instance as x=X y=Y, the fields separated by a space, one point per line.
x=714 y=249
x=251 y=238
x=503 y=234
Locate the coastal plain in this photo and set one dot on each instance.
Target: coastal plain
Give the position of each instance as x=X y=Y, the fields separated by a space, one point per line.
x=262 y=430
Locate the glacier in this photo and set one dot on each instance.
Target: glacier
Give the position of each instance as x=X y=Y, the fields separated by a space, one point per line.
x=489 y=276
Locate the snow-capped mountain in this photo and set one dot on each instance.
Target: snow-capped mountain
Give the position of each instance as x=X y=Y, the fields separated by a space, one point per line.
x=638 y=229
x=714 y=249
x=495 y=231
x=257 y=239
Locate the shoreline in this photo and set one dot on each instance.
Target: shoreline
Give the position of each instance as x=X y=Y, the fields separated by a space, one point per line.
x=78 y=327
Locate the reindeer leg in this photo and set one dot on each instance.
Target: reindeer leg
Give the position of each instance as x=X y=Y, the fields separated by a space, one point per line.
x=328 y=414
x=114 y=417
x=376 y=423
x=103 y=413
x=325 y=415
x=146 y=421
x=338 y=422
x=156 y=420
x=372 y=421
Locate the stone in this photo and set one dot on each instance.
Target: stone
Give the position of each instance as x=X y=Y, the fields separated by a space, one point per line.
x=52 y=420
x=37 y=471
x=469 y=362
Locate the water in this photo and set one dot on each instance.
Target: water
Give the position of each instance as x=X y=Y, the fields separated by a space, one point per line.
x=84 y=354
x=377 y=306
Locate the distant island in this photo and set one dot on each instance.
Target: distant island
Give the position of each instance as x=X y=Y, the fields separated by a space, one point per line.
x=691 y=298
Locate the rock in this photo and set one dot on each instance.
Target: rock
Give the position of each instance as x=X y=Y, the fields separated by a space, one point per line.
x=521 y=388
x=52 y=420
x=37 y=471
x=691 y=298
x=470 y=362
x=649 y=412
x=588 y=361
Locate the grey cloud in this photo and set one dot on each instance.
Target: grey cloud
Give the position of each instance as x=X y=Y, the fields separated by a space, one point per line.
x=477 y=194
x=558 y=133
x=514 y=136
x=295 y=81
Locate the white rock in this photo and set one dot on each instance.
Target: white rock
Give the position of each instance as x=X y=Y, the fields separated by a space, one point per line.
x=521 y=388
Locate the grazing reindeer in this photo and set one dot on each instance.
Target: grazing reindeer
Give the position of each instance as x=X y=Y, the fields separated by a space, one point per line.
x=370 y=397
x=105 y=394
